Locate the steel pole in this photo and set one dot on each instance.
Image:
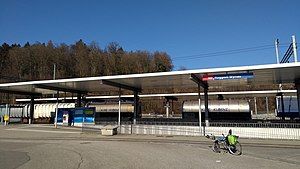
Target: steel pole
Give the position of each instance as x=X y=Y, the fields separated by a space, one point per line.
x=167 y=108
x=7 y=114
x=267 y=105
x=277 y=57
x=172 y=108
x=294 y=48
x=56 y=110
x=119 y=117
x=54 y=73
x=136 y=106
x=206 y=107
x=276 y=50
x=255 y=106
x=298 y=96
x=30 y=121
x=199 y=103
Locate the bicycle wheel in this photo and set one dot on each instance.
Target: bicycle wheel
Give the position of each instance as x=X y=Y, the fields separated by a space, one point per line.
x=216 y=147
x=235 y=149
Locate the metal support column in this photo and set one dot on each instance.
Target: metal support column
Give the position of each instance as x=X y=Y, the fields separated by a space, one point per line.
x=1 y=119
x=136 y=106
x=119 y=115
x=78 y=104
x=294 y=48
x=22 y=118
x=277 y=51
x=277 y=58
x=167 y=108
x=255 y=106
x=6 y=113
x=30 y=121
x=56 y=110
x=199 y=104
x=267 y=105
x=282 y=105
x=206 y=106
x=298 y=96
x=172 y=108
x=9 y=107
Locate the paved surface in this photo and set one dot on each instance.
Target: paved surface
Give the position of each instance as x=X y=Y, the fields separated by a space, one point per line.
x=37 y=146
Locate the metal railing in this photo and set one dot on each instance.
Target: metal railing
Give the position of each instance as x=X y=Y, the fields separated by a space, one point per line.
x=245 y=130
x=255 y=125
x=211 y=124
x=223 y=124
x=168 y=123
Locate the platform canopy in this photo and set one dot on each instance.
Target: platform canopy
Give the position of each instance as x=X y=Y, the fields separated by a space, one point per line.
x=214 y=77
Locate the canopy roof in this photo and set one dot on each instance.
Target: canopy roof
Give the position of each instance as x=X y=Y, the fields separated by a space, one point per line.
x=229 y=76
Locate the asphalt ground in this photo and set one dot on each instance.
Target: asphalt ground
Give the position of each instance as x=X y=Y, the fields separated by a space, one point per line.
x=43 y=146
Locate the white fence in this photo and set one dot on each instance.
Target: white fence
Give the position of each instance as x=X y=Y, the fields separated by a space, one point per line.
x=244 y=132
x=248 y=132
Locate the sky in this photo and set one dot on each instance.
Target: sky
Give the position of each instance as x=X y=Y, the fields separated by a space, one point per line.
x=195 y=33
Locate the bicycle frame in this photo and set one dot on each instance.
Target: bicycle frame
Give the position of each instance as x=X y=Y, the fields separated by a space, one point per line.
x=222 y=141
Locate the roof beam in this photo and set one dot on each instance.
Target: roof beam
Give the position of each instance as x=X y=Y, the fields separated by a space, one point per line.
x=64 y=89
x=18 y=92
x=119 y=85
x=199 y=81
x=171 y=98
x=297 y=81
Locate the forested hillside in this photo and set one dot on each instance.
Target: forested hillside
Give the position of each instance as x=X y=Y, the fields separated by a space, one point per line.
x=36 y=61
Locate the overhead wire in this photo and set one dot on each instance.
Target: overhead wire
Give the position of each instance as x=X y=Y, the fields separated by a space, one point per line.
x=227 y=52
x=288 y=54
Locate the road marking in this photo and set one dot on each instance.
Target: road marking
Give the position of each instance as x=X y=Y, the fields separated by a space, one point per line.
x=43 y=131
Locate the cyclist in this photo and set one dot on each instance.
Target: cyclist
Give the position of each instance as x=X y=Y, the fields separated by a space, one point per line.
x=225 y=138
x=229 y=134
